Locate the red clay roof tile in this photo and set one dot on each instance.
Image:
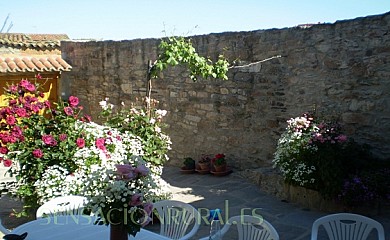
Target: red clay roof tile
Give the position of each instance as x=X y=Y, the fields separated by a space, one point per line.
x=49 y=63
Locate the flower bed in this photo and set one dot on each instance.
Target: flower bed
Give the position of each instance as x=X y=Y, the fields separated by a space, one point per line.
x=315 y=154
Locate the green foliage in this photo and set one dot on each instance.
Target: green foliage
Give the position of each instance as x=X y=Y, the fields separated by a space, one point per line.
x=155 y=142
x=35 y=136
x=178 y=50
x=189 y=163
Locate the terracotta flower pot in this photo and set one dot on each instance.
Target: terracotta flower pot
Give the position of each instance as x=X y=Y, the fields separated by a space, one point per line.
x=204 y=166
x=220 y=168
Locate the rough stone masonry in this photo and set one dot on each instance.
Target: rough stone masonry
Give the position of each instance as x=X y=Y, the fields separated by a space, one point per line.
x=341 y=69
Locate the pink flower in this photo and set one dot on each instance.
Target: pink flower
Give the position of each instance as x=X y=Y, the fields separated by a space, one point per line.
x=10 y=120
x=136 y=200
x=36 y=108
x=87 y=117
x=80 y=142
x=3 y=150
x=30 y=87
x=21 y=112
x=38 y=76
x=37 y=153
x=148 y=207
x=13 y=89
x=68 y=111
x=100 y=143
x=49 y=140
x=142 y=170
x=23 y=83
x=12 y=102
x=47 y=104
x=17 y=132
x=73 y=101
x=7 y=162
x=62 y=137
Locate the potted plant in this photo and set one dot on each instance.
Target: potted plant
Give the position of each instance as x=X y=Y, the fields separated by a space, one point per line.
x=219 y=162
x=204 y=162
x=188 y=165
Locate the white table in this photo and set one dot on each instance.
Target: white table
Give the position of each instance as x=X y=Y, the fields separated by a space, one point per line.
x=76 y=227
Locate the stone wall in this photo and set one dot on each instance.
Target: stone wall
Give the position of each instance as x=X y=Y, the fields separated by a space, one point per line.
x=342 y=69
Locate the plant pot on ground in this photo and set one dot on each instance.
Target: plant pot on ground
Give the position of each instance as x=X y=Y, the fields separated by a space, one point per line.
x=204 y=162
x=188 y=164
x=219 y=163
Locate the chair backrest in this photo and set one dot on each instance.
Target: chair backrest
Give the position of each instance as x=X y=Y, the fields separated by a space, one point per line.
x=176 y=217
x=251 y=228
x=347 y=226
x=65 y=205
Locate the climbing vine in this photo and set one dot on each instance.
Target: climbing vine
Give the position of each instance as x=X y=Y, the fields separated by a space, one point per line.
x=178 y=50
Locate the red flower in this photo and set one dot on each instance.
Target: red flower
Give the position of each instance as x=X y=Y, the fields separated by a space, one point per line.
x=73 y=101
x=37 y=153
x=38 y=76
x=80 y=142
x=68 y=111
x=7 y=162
x=49 y=140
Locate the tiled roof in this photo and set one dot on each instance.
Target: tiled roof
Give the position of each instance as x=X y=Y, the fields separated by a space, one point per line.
x=31 y=53
x=39 y=63
x=34 y=41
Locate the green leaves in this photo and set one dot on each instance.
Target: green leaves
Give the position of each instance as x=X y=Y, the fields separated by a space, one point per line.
x=178 y=50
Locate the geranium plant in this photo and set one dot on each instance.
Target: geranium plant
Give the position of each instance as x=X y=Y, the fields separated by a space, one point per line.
x=219 y=159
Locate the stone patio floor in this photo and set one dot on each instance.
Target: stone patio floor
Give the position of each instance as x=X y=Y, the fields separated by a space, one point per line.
x=233 y=195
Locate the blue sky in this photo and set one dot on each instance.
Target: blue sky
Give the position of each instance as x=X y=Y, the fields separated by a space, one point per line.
x=131 y=19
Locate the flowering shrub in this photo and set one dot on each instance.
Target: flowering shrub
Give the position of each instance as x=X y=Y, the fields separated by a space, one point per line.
x=142 y=122
x=219 y=159
x=34 y=136
x=119 y=192
x=52 y=154
x=310 y=153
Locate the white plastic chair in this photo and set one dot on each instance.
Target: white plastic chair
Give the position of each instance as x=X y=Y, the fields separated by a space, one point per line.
x=347 y=226
x=65 y=205
x=250 y=228
x=176 y=217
